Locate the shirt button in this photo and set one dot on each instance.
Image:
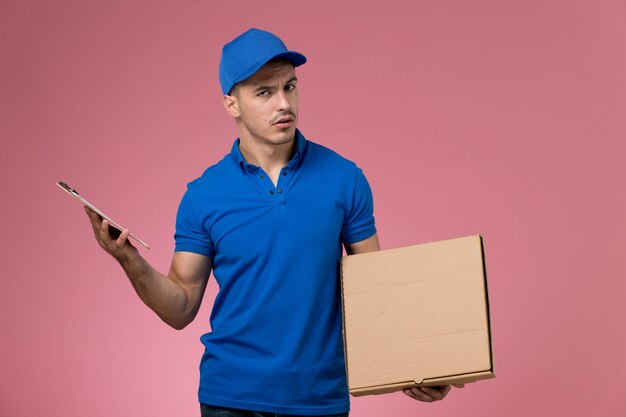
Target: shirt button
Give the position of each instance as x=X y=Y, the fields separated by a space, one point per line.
x=261 y=176
x=271 y=191
x=284 y=172
x=280 y=190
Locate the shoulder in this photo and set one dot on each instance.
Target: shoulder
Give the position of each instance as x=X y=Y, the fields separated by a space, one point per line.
x=327 y=158
x=204 y=193
x=213 y=177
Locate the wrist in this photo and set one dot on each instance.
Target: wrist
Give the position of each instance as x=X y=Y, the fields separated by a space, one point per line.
x=127 y=256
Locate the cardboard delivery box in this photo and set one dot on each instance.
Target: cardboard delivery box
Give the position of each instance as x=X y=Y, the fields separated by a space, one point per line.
x=416 y=316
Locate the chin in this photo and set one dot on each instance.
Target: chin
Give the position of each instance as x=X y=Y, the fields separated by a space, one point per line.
x=284 y=137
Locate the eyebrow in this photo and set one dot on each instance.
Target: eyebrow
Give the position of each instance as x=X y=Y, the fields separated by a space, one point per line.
x=267 y=87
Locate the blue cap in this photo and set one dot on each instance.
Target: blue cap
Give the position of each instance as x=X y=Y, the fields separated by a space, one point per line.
x=248 y=52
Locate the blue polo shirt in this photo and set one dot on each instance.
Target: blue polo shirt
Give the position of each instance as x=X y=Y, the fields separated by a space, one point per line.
x=276 y=343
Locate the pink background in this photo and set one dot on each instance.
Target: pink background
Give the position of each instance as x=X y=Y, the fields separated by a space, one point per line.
x=505 y=118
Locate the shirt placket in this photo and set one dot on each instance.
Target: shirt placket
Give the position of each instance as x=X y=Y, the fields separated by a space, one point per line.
x=277 y=193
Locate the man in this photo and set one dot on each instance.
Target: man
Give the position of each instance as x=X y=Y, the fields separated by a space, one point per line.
x=270 y=219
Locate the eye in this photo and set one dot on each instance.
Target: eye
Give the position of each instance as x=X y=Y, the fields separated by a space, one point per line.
x=290 y=87
x=263 y=93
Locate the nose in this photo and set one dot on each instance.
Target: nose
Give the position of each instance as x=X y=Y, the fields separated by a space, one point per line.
x=282 y=102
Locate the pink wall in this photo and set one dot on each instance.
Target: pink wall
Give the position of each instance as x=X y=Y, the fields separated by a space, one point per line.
x=501 y=118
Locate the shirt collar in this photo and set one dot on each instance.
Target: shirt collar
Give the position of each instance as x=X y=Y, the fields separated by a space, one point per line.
x=296 y=157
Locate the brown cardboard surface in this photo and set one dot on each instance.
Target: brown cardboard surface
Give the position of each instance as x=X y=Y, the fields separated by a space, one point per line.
x=417 y=315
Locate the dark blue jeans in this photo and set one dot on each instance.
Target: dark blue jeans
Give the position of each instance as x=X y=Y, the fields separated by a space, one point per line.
x=211 y=411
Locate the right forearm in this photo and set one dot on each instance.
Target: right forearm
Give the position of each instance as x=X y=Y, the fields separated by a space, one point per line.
x=174 y=300
x=163 y=295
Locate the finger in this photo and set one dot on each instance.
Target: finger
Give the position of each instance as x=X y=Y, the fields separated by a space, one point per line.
x=92 y=214
x=435 y=392
x=446 y=390
x=121 y=240
x=409 y=393
x=94 y=219
x=104 y=229
x=100 y=230
x=419 y=395
x=96 y=223
x=110 y=233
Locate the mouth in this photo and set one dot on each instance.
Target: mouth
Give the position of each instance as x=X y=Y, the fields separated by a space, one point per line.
x=284 y=122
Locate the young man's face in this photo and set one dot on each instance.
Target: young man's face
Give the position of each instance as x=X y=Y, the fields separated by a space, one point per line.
x=266 y=104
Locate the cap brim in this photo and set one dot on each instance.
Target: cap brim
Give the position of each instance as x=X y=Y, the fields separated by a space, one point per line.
x=296 y=58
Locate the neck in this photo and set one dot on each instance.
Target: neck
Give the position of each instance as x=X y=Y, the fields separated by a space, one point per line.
x=269 y=156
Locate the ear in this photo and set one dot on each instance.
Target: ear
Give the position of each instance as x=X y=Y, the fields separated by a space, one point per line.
x=231 y=104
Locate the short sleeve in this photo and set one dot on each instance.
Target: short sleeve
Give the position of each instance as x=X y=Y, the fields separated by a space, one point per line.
x=190 y=233
x=359 y=223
